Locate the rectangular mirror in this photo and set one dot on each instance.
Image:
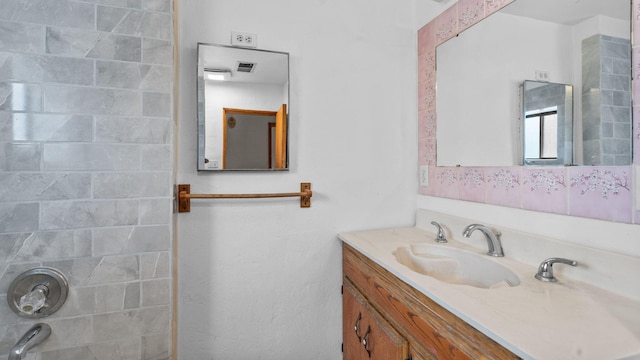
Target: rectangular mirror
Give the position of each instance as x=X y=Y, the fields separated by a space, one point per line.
x=584 y=43
x=243 y=101
x=548 y=123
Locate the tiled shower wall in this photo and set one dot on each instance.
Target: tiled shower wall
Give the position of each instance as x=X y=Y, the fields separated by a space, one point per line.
x=606 y=105
x=86 y=136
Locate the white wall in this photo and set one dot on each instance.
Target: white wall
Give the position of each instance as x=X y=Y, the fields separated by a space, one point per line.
x=260 y=279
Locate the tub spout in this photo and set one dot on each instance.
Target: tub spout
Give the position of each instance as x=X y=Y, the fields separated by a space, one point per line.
x=34 y=336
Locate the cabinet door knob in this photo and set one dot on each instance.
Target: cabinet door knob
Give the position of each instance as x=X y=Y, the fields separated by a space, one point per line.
x=356 y=326
x=365 y=341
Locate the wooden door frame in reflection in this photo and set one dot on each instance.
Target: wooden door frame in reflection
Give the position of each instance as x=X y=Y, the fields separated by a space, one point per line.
x=281 y=132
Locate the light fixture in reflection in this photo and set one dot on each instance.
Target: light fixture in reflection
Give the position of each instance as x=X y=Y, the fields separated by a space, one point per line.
x=217 y=74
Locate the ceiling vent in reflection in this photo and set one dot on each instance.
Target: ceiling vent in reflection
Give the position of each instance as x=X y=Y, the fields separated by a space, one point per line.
x=245 y=67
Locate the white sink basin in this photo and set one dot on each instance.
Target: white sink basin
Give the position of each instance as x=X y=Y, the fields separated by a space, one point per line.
x=456 y=266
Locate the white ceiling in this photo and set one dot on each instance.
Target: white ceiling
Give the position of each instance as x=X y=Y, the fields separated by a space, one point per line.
x=271 y=67
x=569 y=12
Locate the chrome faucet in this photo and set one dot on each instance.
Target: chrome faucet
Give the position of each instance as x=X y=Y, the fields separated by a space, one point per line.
x=441 y=237
x=545 y=270
x=34 y=336
x=493 y=239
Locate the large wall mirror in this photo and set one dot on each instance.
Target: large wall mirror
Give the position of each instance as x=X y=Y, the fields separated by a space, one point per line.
x=243 y=101
x=481 y=73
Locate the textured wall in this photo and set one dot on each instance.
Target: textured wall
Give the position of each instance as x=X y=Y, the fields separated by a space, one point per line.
x=86 y=170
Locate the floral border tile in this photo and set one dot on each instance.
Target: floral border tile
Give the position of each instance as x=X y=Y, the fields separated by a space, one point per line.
x=545 y=189
x=447 y=182
x=503 y=186
x=492 y=6
x=427 y=152
x=426 y=124
x=601 y=192
x=469 y=13
x=446 y=24
x=472 y=184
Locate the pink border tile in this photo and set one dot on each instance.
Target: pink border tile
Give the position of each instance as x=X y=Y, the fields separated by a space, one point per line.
x=427 y=38
x=446 y=24
x=447 y=182
x=427 y=66
x=492 y=6
x=426 y=124
x=503 y=186
x=545 y=189
x=426 y=151
x=472 y=184
x=469 y=13
x=601 y=192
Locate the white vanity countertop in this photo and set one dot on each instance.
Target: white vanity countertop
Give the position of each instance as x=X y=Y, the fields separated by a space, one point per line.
x=535 y=320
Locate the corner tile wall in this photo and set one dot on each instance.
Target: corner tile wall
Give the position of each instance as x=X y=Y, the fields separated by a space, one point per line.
x=606 y=106
x=597 y=192
x=86 y=171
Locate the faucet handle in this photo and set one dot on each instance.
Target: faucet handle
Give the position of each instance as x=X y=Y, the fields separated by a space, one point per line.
x=442 y=237
x=545 y=270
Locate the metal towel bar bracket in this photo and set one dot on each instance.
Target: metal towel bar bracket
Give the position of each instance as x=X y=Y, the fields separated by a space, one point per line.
x=185 y=196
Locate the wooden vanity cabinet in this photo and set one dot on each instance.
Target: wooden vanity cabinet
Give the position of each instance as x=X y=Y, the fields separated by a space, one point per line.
x=407 y=323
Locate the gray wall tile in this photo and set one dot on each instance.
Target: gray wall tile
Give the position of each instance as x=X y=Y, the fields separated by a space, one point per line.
x=156 y=347
x=117 y=47
x=157 y=5
x=155 y=265
x=49 y=245
x=156 y=292
x=133 y=4
x=18 y=217
x=157 y=52
x=45 y=127
x=155 y=211
x=60 y=12
x=131 y=185
x=70 y=42
x=44 y=186
x=71 y=99
x=46 y=68
x=132 y=296
x=85 y=214
x=156 y=104
x=134 y=22
x=70 y=156
x=20 y=97
x=121 y=75
x=156 y=157
x=20 y=157
x=130 y=240
x=15 y=36
x=133 y=130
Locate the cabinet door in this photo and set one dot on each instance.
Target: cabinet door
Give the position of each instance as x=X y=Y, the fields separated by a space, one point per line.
x=366 y=333
x=352 y=322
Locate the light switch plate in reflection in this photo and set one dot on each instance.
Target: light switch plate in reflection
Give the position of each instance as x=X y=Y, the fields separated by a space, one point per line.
x=424 y=175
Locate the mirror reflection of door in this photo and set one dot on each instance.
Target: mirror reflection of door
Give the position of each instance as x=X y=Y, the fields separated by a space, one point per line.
x=253 y=139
